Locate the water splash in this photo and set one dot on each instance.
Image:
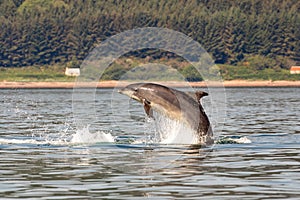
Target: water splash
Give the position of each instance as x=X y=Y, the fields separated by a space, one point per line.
x=86 y=137
x=169 y=131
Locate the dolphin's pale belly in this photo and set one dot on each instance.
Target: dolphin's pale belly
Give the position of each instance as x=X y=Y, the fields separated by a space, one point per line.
x=172 y=114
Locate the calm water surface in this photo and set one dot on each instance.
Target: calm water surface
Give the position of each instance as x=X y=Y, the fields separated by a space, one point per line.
x=44 y=154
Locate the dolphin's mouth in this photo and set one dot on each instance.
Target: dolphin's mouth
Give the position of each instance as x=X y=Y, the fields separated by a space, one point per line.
x=130 y=93
x=126 y=91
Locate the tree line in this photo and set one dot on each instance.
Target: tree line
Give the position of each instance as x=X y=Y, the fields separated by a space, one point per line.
x=45 y=32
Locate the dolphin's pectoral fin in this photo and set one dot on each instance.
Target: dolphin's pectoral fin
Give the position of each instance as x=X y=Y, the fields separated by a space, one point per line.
x=147 y=108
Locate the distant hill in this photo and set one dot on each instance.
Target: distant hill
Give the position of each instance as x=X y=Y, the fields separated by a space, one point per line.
x=46 y=32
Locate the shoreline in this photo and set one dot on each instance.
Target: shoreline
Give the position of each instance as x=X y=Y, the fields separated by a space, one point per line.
x=113 y=84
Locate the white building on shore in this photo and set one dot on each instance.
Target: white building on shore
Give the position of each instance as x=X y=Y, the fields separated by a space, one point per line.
x=72 y=71
x=295 y=70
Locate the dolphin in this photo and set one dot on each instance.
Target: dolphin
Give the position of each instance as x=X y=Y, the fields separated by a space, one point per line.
x=182 y=106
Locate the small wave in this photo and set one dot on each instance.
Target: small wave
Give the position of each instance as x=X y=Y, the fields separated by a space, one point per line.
x=33 y=141
x=81 y=136
x=233 y=140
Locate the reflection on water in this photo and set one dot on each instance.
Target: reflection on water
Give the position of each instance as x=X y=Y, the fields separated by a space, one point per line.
x=40 y=159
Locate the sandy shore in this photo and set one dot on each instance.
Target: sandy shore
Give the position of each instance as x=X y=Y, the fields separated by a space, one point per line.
x=112 y=84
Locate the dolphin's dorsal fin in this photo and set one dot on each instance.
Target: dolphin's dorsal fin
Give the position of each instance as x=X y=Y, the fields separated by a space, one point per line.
x=147 y=108
x=197 y=95
x=200 y=94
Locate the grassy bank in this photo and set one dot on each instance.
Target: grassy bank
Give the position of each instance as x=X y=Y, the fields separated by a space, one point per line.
x=230 y=72
x=35 y=74
x=121 y=68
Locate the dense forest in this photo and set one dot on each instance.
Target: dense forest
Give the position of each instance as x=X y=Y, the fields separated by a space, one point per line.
x=47 y=32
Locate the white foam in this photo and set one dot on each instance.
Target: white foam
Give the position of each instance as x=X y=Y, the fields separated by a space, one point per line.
x=242 y=140
x=233 y=140
x=84 y=136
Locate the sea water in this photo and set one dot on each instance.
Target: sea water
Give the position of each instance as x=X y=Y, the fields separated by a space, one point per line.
x=45 y=155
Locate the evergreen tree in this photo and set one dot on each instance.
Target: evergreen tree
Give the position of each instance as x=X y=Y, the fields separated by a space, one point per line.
x=38 y=32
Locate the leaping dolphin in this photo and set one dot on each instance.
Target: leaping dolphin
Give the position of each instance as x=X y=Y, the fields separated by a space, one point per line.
x=175 y=104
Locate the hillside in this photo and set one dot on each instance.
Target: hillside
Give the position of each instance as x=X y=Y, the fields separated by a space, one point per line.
x=248 y=32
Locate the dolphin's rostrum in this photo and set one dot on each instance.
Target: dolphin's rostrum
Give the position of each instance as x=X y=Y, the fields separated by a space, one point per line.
x=175 y=104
